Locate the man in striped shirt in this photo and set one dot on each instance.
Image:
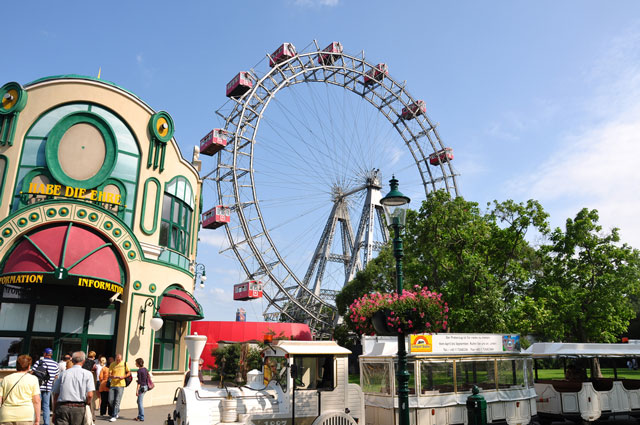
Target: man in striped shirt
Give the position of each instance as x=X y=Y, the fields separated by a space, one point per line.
x=45 y=389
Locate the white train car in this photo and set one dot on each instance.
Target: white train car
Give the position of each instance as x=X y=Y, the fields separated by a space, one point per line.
x=305 y=380
x=444 y=368
x=595 y=381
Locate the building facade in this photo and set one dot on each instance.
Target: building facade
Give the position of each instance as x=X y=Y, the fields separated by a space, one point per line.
x=99 y=221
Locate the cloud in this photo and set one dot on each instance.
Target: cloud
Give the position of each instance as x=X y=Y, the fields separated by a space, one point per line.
x=595 y=163
x=216 y=239
x=144 y=69
x=316 y=3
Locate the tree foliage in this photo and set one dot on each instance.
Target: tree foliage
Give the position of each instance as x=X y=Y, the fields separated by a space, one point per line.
x=480 y=261
x=588 y=283
x=580 y=284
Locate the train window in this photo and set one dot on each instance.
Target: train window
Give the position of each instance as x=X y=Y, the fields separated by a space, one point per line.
x=510 y=373
x=315 y=372
x=480 y=373
x=375 y=378
x=436 y=377
x=412 y=377
x=275 y=369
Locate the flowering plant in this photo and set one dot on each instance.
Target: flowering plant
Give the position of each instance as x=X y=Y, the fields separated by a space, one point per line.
x=417 y=311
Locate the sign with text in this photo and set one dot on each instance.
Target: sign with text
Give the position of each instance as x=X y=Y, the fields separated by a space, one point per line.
x=74 y=192
x=46 y=278
x=464 y=343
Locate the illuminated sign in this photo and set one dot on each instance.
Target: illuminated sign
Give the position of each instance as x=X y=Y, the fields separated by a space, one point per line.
x=464 y=343
x=73 y=192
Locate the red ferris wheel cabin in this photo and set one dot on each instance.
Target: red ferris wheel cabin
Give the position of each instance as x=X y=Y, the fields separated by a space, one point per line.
x=416 y=108
x=376 y=74
x=216 y=217
x=214 y=141
x=239 y=85
x=441 y=156
x=329 y=53
x=247 y=290
x=283 y=53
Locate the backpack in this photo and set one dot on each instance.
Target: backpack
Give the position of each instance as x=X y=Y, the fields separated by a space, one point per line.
x=40 y=371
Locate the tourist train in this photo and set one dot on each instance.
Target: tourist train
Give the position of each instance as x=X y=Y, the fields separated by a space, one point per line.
x=303 y=382
x=308 y=381
x=596 y=381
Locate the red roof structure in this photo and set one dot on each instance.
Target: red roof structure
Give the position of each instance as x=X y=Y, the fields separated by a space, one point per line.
x=244 y=331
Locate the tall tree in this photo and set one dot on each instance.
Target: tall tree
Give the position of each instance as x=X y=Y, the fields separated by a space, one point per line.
x=586 y=288
x=480 y=261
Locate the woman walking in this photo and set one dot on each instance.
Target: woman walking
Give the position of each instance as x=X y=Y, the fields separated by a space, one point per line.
x=103 y=377
x=20 y=395
x=143 y=387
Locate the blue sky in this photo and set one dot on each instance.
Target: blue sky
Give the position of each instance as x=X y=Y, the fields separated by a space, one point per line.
x=537 y=99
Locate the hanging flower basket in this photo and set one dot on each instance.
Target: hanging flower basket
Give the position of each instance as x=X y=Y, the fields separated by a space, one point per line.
x=379 y=322
x=416 y=311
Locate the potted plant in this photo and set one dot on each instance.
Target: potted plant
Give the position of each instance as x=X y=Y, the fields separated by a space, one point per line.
x=416 y=311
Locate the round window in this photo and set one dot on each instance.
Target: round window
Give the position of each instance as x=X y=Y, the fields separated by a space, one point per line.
x=81 y=150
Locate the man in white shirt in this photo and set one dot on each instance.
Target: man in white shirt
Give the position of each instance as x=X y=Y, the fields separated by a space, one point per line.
x=72 y=391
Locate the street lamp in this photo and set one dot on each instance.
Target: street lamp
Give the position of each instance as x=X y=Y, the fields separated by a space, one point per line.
x=201 y=273
x=395 y=210
x=155 y=322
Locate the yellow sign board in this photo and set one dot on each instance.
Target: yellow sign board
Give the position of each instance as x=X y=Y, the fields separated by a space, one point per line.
x=421 y=343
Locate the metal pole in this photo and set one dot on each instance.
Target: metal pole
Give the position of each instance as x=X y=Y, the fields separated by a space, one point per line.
x=402 y=375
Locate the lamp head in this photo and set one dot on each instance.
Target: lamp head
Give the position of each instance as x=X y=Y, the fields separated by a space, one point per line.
x=395 y=204
x=156 y=323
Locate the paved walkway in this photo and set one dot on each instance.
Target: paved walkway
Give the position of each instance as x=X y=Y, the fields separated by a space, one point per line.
x=155 y=415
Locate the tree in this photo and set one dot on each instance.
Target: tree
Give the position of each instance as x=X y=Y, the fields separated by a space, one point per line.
x=588 y=283
x=480 y=261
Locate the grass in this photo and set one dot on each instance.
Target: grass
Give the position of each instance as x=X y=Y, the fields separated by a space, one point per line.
x=606 y=373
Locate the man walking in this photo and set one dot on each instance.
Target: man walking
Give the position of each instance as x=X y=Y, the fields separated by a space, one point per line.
x=45 y=389
x=118 y=371
x=72 y=392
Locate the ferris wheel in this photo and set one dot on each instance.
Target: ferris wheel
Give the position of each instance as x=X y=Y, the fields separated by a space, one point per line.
x=308 y=139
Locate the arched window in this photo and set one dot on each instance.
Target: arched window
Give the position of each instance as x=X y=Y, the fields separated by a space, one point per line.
x=177 y=213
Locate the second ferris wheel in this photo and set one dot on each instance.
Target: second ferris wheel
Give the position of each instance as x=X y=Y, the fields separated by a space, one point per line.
x=309 y=138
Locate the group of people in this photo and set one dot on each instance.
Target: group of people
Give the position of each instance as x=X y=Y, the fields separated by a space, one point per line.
x=79 y=385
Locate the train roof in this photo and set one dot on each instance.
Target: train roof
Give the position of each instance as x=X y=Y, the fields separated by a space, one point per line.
x=570 y=349
x=311 y=347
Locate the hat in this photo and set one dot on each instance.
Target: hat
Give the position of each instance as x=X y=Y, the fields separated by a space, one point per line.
x=48 y=351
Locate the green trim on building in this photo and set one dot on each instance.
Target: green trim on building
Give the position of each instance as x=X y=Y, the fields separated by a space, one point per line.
x=156 y=209
x=3 y=178
x=13 y=99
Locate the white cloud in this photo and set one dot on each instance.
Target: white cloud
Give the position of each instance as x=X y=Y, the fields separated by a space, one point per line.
x=595 y=165
x=216 y=239
x=316 y=3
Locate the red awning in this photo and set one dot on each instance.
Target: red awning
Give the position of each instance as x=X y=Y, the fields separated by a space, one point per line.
x=178 y=304
x=63 y=252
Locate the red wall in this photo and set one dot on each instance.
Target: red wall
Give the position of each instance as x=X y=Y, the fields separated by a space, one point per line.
x=244 y=331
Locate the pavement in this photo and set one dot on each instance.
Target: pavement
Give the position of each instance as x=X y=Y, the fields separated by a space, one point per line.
x=155 y=415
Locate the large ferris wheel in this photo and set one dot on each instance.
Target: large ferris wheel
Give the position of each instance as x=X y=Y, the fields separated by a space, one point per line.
x=311 y=135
